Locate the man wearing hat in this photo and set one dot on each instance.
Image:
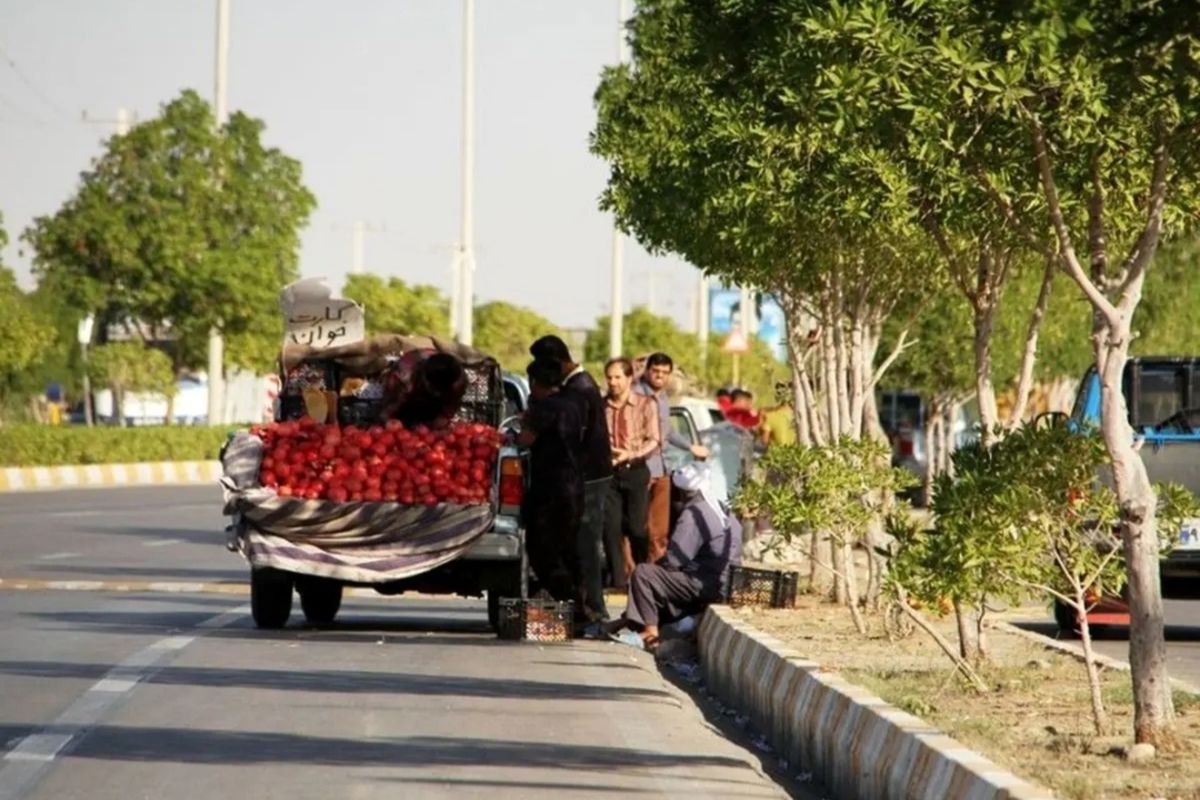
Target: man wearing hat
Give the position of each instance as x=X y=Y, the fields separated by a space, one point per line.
x=705 y=545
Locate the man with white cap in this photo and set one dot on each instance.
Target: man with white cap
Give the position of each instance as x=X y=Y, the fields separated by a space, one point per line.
x=705 y=544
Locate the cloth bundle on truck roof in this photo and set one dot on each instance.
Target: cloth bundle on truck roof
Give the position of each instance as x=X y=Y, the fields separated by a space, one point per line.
x=371 y=355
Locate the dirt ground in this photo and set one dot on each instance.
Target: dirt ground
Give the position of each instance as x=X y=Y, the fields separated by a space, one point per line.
x=1036 y=720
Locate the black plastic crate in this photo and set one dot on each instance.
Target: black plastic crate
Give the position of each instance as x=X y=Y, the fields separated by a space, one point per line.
x=483 y=401
x=535 y=620
x=360 y=412
x=762 y=587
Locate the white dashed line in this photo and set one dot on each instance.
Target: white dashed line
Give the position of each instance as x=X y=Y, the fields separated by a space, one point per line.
x=57 y=556
x=31 y=757
x=162 y=542
x=90 y=513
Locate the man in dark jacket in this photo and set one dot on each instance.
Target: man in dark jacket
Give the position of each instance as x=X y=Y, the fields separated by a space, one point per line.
x=595 y=461
x=554 y=503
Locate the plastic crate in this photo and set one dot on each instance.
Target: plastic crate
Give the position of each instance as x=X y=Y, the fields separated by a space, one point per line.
x=762 y=587
x=535 y=620
x=360 y=412
x=483 y=400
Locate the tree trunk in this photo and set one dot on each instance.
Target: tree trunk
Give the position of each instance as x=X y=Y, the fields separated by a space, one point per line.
x=118 y=404
x=967 y=646
x=820 y=561
x=965 y=668
x=839 y=570
x=170 y=409
x=1153 y=707
x=989 y=415
x=829 y=379
x=981 y=640
x=933 y=461
x=852 y=596
x=1099 y=715
x=857 y=378
x=1029 y=356
x=797 y=347
x=841 y=380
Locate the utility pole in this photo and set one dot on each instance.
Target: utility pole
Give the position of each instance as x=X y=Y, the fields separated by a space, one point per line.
x=216 y=345
x=616 y=318
x=359 y=231
x=465 y=264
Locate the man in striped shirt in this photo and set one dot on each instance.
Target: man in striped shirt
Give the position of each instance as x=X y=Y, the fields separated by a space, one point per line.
x=634 y=437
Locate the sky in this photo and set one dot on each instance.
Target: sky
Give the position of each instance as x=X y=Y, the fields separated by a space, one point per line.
x=367 y=94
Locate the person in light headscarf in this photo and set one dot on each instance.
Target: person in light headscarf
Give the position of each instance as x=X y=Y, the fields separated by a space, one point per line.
x=705 y=544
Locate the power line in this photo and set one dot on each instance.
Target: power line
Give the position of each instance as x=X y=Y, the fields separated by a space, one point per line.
x=45 y=98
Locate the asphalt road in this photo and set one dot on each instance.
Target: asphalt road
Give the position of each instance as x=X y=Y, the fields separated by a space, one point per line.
x=1182 y=631
x=168 y=694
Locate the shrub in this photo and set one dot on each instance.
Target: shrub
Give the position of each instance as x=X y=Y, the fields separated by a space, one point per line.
x=45 y=446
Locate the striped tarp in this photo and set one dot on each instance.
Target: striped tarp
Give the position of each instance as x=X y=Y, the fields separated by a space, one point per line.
x=359 y=542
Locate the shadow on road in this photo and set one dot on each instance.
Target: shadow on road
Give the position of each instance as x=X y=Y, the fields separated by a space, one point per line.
x=226 y=747
x=346 y=682
x=415 y=625
x=164 y=572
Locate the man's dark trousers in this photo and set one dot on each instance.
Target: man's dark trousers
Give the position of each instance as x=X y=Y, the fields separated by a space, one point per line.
x=591 y=547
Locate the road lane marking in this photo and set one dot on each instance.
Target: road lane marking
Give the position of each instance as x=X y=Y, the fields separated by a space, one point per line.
x=33 y=756
x=57 y=556
x=37 y=747
x=89 y=513
x=162 y=542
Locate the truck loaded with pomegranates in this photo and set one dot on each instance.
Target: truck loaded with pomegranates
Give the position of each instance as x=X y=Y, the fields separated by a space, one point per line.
x=388 y=467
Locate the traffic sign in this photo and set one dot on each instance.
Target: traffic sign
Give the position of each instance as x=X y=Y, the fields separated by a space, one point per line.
x=736 y=343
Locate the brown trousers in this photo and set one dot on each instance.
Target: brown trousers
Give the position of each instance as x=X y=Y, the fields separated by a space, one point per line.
x=660 y=518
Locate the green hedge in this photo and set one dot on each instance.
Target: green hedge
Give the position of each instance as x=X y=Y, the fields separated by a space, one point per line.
x=45 y=446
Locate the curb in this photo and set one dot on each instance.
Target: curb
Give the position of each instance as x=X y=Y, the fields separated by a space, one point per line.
x=157 y=473
x=853 y=742
x=1076 y=652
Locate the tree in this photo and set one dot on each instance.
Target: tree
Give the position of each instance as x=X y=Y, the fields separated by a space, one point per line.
x=1103 y=101
x=505 y=331
x=397 y=307
x=646 y=333
x=131 y=366
x=26 y=335
x=178 y=226
x=714 y=155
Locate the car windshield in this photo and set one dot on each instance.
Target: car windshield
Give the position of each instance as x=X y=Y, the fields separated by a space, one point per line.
x=1162 y=393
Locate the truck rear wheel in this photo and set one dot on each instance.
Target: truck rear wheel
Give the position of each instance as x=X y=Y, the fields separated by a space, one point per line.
x=270 y=597
x=320 y=598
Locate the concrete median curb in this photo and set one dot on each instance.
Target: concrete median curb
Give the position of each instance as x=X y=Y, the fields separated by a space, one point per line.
x=98 y=476
x=852 y=741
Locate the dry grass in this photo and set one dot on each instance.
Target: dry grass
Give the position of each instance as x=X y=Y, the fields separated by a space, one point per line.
x=1035 y=721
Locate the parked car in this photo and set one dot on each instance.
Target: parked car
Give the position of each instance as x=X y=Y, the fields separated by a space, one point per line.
x=1163 y=396
x=903 y=416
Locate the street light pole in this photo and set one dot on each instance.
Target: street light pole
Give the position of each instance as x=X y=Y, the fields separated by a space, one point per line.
x=216 y=345
x=465 y=266
x=616 y=314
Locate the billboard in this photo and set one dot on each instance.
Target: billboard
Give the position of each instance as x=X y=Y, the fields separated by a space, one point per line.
x=769 y=325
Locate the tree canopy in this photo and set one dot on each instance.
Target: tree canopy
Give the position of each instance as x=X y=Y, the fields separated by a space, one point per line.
x=393 y=306
x=179 y=225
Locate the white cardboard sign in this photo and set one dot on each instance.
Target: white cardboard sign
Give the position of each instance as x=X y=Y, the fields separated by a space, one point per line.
x=316 y=318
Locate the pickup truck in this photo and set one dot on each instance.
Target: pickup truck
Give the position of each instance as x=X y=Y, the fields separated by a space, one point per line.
x=1163 y=396
x=494 y=565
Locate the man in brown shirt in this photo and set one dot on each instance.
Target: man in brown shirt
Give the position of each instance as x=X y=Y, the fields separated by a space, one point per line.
x=634 y=437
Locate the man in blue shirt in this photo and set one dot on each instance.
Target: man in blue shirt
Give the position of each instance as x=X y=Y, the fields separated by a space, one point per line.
x=705 y=545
